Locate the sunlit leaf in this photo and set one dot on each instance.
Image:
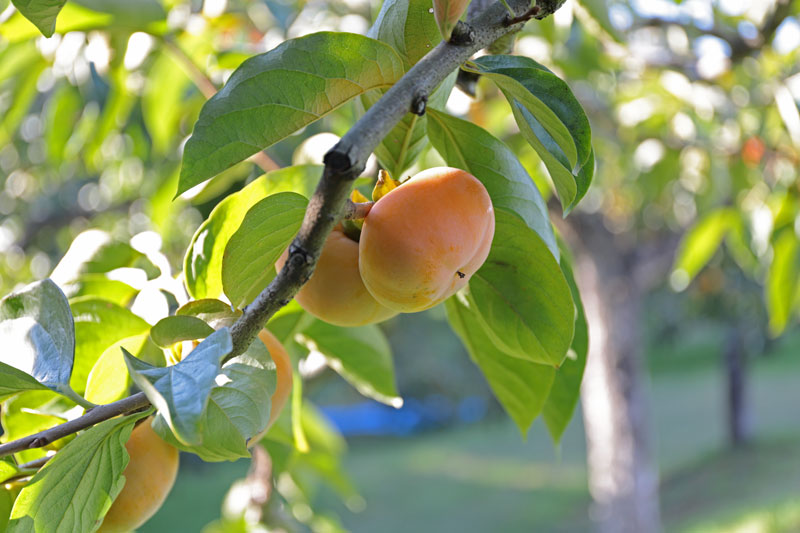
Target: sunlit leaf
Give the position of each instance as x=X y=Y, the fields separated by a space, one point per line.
x=783 y=282
x=272 y=95
x=172 y=329
x=248 y=264
x=42 y=13
x=701 y=242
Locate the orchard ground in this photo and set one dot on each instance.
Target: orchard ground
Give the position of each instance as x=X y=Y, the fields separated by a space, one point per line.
x=483 y=477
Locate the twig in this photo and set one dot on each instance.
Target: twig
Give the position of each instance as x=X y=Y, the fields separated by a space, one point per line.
x=343 y=164
x=356 y=210
x=92 y=417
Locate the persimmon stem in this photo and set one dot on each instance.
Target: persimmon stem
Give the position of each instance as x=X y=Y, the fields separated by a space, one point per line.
x=329 y=203
x=356 y=210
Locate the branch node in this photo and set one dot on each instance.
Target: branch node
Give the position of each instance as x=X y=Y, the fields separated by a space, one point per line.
x=463 y=35
x=338 y=161
x=295 y=250
x=419 y=103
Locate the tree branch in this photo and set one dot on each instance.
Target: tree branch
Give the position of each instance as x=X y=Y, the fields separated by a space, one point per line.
x=343 y=164
x=92 y=417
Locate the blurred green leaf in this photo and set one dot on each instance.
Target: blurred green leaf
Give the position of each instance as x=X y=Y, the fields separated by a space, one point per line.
x=38 y=333
x=203 y=261
x=469 y=147
x=288 y=320
x=237 y=410
x=408 y=26
x=783 y=281
x=75 y=489
x=521 y=296
x=286 y=88
x=109 y=380
x=701 y=242
x=8 y=469
x=550 y=118
x=23 y=94
x=13 y=381
x=172 y=329
x=521 y=386
x=180 y=392
x=42 y=13
x=360 y=355
x=98 y=325
x=62 y=111
x=566 y=390
x=99 y=286
x=248 y=264
x=163 y=101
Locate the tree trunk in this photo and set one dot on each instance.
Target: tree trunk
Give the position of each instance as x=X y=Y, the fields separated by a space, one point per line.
x=622 y=478
x=739 y=414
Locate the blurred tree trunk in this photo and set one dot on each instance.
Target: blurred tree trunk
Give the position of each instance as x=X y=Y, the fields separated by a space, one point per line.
x=623 y=480
x=739 y=412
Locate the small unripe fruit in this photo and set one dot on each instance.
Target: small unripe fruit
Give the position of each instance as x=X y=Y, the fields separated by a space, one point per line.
x=335 y=292
x=149 y=476
x=423 y=241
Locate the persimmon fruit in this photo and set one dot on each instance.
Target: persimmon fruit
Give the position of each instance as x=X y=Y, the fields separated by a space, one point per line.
x=283 y=370
x=422 y=241
x=335 y=292
x=149 y=476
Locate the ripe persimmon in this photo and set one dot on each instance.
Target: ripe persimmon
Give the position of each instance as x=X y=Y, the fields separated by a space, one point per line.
x=149 y=476
x=423 y=240
x=283 y=369
x=335 y=292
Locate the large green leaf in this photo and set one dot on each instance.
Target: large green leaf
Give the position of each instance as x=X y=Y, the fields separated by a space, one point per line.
x=237 y=410
x=248 y=264
x=180 y=392
x=408 y=26
x=75 y=489
x=521 y=295
x=99 y=286
x=469 y=147
x=98 y=325
x=702 y=241
x=521 y=386
x=42 y=13
x=783 y=281
x=38 y=333
x=203 y=262
x=272 y=95
x=360 y=355
x=109 y=380
x=550 y=118
x=566 y=390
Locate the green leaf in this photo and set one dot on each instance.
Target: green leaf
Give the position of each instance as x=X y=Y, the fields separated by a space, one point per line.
x=98 y=325
x=42 y=13
x=701 y=242
x=213 y=312
x=783 y=282
x=75 y=489
x=99 y=286
x=521 y=295
x=38 y=333
x=62 y=111
x=109 y=380
x=360 y=355
x=6 y=496
x=289 y=319
x=237 y=410
x=180 y=392
x=172 y=329
x=13 y=381
x=521 y=386
x=550 y=118
x=566 y=390
x=164 y=101
x=8 y=469
x=272 y=95
x=268 y=228
x=469 y=147
x=409 y=27
x=203 y=262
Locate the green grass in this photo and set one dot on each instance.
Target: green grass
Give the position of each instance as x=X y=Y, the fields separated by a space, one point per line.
x=485 y=477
